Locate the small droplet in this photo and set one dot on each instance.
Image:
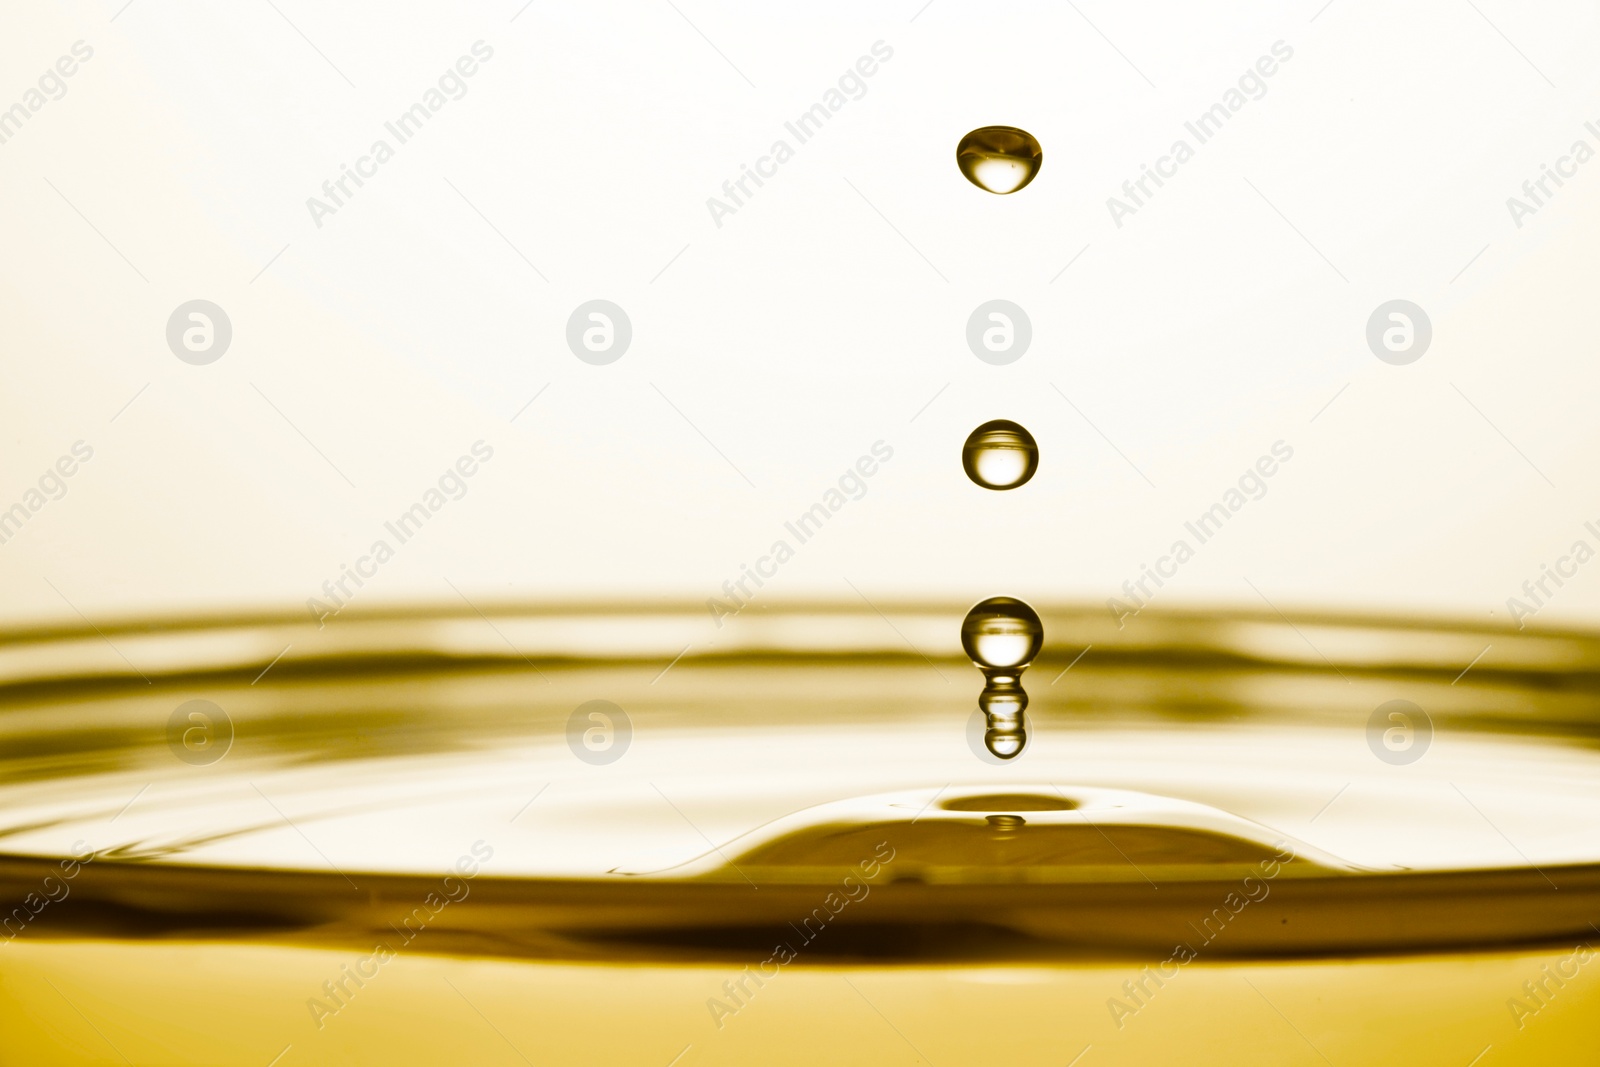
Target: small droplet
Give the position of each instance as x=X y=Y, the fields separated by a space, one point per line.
x=1002 y=635
x=999 y=159
x=1000 y=455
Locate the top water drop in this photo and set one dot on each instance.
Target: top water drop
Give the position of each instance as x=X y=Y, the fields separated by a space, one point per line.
x=999 y=159
x=1000 y=455
x=1001 y=636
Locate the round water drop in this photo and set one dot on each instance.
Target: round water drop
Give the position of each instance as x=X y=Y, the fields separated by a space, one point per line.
x=1000 y=455
x=999 y=159
x=1001 y=636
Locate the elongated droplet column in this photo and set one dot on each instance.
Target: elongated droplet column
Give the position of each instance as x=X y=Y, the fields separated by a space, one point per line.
x=1001 y=636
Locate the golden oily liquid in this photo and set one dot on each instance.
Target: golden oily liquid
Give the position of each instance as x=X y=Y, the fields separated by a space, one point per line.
x=342 y=776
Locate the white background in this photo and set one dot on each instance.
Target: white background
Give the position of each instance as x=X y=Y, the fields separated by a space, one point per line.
x=806 y=327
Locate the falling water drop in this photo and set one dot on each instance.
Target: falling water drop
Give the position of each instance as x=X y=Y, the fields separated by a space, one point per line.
x=1001 y=635
x=1000 y=455
x=999 y=159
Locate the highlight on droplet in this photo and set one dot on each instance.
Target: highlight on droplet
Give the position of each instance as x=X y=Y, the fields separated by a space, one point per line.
x=999 y=455
x=999 y=159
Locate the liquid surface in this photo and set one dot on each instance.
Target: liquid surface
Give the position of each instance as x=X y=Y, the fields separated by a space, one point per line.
x=999 y=159
x=416 y=801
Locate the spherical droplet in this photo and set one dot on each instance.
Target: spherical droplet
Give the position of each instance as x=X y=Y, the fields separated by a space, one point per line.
x=1002 y=633
x=1000 y=455
x=1005 y=743
x=999 y=159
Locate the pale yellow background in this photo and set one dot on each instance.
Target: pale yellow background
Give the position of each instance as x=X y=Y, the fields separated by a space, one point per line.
x=805 y=328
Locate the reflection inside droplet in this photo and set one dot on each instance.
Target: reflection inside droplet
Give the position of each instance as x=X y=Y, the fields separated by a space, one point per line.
x=999 y=159
x=1002 y=635
x=1000 y=455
